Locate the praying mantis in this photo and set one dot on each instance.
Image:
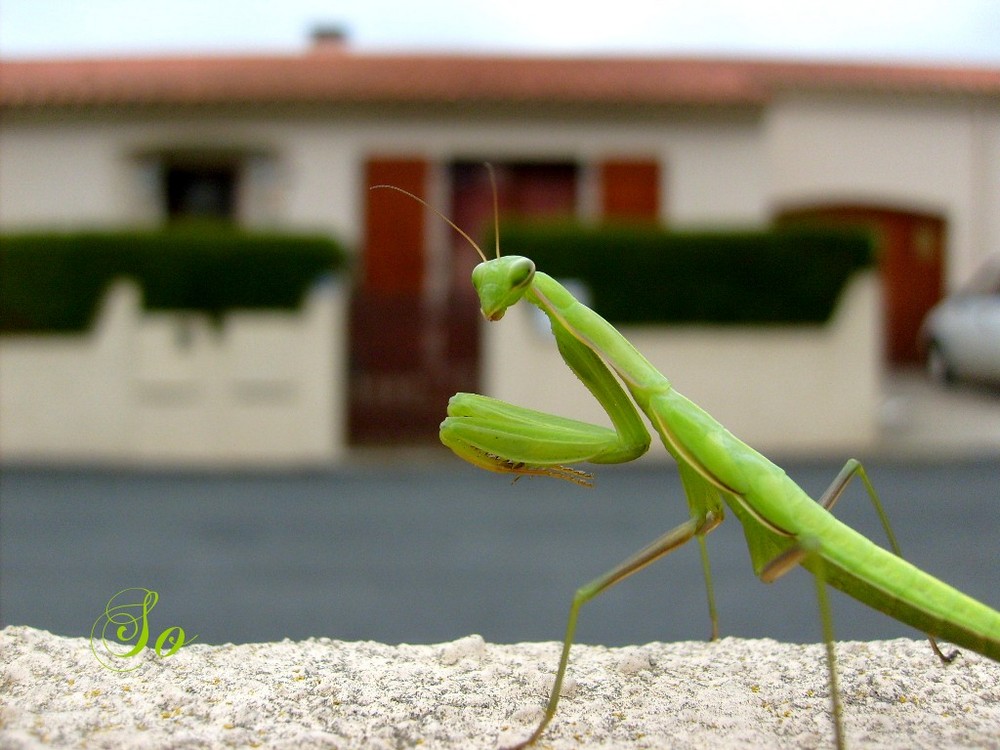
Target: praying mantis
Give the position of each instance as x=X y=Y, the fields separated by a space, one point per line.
x=784 y=527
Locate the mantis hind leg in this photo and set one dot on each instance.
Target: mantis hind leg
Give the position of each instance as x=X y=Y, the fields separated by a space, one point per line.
x=667 y=543
x=778 y=567
x=854 y=468
x=706 y=568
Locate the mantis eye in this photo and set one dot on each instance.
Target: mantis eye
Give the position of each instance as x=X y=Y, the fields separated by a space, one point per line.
x=522 y=271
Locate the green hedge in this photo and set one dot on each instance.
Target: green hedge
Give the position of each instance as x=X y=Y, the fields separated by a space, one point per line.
x=649 y=275
x=54 y=282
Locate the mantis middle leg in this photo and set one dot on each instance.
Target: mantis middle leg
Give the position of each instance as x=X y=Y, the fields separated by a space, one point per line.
x=677 y=537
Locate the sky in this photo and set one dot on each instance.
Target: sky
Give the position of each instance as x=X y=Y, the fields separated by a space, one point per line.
x=935 y=31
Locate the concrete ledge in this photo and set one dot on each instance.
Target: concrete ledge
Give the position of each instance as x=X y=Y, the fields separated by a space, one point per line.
x=323 y=693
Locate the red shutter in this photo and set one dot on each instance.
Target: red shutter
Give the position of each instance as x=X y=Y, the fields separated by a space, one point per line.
x=630 y=189
x=394 y=226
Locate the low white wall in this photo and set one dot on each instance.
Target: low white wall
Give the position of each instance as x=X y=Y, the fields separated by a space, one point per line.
x=261 y=388
x=783 y=389
x=269 y=388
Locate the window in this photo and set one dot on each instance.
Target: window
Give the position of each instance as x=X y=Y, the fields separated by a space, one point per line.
x=200 y=191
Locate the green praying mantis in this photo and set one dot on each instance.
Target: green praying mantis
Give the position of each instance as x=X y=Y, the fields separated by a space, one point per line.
x=784 y=526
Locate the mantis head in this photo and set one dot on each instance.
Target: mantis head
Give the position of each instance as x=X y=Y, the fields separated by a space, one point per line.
x=501 y=283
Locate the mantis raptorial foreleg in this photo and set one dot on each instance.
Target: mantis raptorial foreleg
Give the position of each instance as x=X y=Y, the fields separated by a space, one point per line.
x=783 y=526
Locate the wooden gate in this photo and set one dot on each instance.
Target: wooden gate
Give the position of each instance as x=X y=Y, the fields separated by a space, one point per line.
x=910 y=249
x=408 y=353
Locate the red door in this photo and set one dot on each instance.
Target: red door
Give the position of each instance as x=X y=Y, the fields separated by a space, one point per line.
x=393 y=260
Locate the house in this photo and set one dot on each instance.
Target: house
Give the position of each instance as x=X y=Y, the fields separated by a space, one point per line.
x=295 y=141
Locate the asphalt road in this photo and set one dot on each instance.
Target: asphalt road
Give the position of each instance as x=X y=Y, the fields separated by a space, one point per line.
x=421 y=554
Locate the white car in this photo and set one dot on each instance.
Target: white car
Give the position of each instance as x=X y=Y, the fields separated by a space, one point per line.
x=962 y=332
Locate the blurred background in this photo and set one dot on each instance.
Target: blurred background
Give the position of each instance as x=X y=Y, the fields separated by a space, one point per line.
x=223 y=359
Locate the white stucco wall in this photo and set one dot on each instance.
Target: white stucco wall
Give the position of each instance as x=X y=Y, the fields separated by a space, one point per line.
x=986 y=215
x=59 y=174
x=86 y=171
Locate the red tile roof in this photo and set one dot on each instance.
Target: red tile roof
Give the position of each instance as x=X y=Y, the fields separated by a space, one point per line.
x=347 y=77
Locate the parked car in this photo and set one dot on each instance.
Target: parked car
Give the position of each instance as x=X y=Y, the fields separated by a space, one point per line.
x=962 y=332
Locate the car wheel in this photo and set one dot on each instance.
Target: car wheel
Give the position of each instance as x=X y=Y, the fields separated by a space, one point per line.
x=937 y=365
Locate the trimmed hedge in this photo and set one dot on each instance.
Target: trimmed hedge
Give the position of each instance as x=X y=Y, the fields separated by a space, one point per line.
x=642 y=274
x=54 y=282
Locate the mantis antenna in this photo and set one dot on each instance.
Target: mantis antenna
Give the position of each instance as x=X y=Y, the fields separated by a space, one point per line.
x=496 y=207
x=453 y=225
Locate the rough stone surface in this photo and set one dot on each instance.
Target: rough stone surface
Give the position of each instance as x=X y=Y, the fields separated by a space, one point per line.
x=322 y=693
